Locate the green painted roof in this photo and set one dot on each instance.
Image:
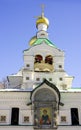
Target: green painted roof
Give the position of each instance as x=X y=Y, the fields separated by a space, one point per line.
x=40 y=40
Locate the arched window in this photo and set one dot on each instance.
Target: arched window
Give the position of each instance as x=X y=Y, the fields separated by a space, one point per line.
x=38 y=58
x=49 y=59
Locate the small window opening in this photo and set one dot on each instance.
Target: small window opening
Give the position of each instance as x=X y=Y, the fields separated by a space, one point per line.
x=42 y=34
x=38 y=79
x=2 y=118
x=28 y=65
x=26 y=119
x=50 y=79
x=63 y=118
x=27 y=78
x=60 y=66
x=60 y=78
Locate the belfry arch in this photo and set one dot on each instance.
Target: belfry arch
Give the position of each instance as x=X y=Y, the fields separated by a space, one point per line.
x=38 y=58
x=49 y=59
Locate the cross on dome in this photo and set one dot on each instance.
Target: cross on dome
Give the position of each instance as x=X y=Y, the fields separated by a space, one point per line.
x=42 y=6
x=42 y=19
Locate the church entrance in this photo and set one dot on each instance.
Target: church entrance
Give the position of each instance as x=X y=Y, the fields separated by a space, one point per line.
x=15 y=116
x=74 y=116
x=45 y=108
x=45 y=102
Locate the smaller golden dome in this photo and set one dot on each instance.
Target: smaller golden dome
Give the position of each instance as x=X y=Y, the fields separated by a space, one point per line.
x=32 y=40
x=42 y=19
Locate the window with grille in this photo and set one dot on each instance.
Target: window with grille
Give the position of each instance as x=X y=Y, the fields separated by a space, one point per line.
x=2 y=118
x=63 y=118
x=26 y=119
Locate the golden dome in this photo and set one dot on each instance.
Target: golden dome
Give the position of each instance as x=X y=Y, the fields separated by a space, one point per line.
x=42 y=19
x=32 y=40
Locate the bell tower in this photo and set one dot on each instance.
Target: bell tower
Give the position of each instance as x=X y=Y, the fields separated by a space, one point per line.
x=44 y=59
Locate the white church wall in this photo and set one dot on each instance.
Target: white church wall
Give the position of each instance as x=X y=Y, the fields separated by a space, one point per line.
x=71 y=100
x=28 y=62
x=79 y=115
x=64 y=117
x=25 y=117
x=9 y=100
x=58 y=61
x=4 y=116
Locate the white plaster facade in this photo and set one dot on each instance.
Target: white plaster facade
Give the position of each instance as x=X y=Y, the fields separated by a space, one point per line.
x=10 y=99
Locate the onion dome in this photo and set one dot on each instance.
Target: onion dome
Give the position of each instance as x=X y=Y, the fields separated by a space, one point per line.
x=32 y=40
x=42 y=19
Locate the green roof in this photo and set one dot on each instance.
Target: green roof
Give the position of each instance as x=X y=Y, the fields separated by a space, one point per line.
x=40 y=40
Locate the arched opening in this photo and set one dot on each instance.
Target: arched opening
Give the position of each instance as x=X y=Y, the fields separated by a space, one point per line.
x=49 y=59
x=43 y=65
x=38 y=59
x=44 y=95
x=45 y=108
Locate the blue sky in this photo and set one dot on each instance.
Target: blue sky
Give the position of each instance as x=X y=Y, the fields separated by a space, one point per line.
x=18 y=25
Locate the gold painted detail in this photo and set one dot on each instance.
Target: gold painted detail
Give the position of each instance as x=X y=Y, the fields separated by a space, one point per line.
x=42 y=19
x=43 y=66
x=32 y=40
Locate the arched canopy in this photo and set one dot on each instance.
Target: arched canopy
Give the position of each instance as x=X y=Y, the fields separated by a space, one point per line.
x=48 y=90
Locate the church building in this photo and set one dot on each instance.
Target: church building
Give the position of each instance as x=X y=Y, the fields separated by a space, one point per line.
x=40 y=95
